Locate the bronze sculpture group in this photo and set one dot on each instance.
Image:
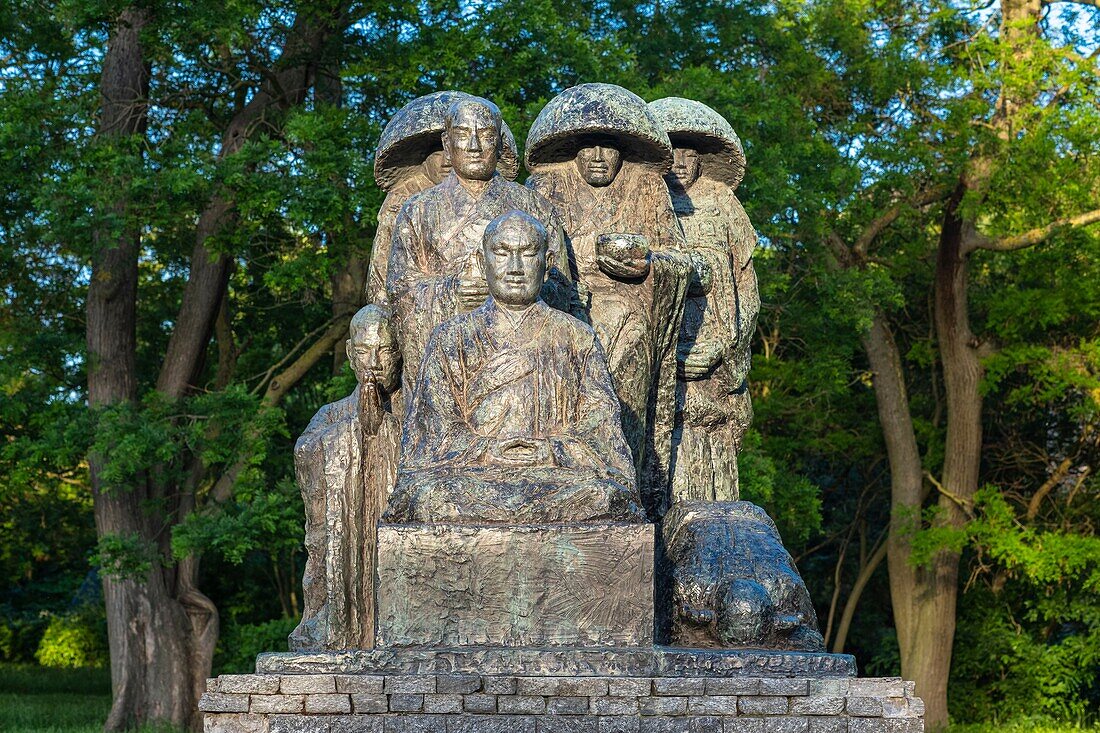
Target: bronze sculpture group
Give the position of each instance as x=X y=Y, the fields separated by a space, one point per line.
x=552 y=393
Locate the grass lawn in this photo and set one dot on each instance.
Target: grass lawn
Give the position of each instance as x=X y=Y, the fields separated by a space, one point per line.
x=38 y=700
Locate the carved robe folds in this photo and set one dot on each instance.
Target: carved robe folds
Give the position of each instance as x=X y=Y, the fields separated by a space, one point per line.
x=345 y=470
x=716 y=410
x=637 y=321
x=434 y=241
x=396 y=197
x=492 y=375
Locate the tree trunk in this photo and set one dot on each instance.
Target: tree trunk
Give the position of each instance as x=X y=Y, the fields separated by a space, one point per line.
x=962 y=375
x=284 y=88
x=924 y=597
x=146 y=629
x=920 y=614
x=162 y=630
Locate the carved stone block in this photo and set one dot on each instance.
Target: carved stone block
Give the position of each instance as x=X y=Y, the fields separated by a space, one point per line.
x=445 y=586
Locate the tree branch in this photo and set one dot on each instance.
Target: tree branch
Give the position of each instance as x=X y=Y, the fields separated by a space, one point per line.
x=872 y=230
x=286 y=379
x=976 y=240
x=961 y=502
x=840 y=249
x=276 y=390
x=864 y=577
x=1048 y=486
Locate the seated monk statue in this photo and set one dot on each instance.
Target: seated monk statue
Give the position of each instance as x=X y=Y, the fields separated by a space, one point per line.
x=514 y=418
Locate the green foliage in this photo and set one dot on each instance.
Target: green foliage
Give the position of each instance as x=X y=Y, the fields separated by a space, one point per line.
x=267 y=520
x=1027 y=724
x=790 y=499
x=1030 y=635
x=75 y=640
x=124 y=557
x=240 y=643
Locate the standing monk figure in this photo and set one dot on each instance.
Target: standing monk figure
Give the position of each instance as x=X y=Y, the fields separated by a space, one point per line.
x=599 y=155
x=433 y=272
x=410 y=159
x=713 y=397
x=346 y=464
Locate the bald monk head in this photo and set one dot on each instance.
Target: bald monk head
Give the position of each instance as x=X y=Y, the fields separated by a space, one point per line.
x=471 y=138
x=515 y=253
x=372 y=349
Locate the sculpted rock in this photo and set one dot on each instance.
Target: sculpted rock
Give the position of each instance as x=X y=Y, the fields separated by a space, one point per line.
x=598 y=154
x=720 y=316
x=346 y=465
x=433 y=273
x=410 y=159
x=513 y=419
x=733 y=583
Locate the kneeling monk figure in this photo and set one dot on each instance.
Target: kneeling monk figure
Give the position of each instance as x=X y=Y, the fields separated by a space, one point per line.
x=514 y=418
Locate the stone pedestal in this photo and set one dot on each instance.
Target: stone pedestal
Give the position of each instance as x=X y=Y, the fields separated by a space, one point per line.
x=473 y=703
x=558 y=585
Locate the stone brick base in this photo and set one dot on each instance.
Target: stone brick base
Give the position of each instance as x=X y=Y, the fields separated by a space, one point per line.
x=471 y=703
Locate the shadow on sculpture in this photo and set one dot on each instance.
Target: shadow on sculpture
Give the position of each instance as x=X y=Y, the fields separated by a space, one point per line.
x=572 y=359
x=714 y=408
x=598 y=155
x=733 y=584
x=516 y=520
x=346 y=465
x=514 y=419
x=433 y=273
x=410 y=159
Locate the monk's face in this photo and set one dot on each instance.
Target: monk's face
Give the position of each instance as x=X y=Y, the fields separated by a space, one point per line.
x=598 y=164
x=436 y=166
x=374 y=356
x=515 y=264
x=685 y=166
x=472 y=141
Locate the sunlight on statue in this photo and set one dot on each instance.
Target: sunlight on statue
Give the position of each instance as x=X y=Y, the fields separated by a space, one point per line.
x=514 y=418
x=434 y=271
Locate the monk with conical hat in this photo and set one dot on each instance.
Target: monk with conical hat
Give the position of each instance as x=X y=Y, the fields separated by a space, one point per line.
x=714 y=355
x=410 y=159
x=435 y=268
x=599 y=155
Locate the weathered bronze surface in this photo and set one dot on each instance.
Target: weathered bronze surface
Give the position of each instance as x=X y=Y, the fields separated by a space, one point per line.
x=410 y=159
x=433 y=271
x=346 y=464
x=598 y=155
x=733 y=583
x=513 y=418
x=526 y=586
x=520 y=432
x=713 y=399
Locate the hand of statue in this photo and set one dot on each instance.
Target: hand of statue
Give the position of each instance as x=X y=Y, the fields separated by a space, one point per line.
x=472 y=292
x=623 y=256
x=700 y=359
x=521 y=452
x=624 y=269
x=702 y=275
